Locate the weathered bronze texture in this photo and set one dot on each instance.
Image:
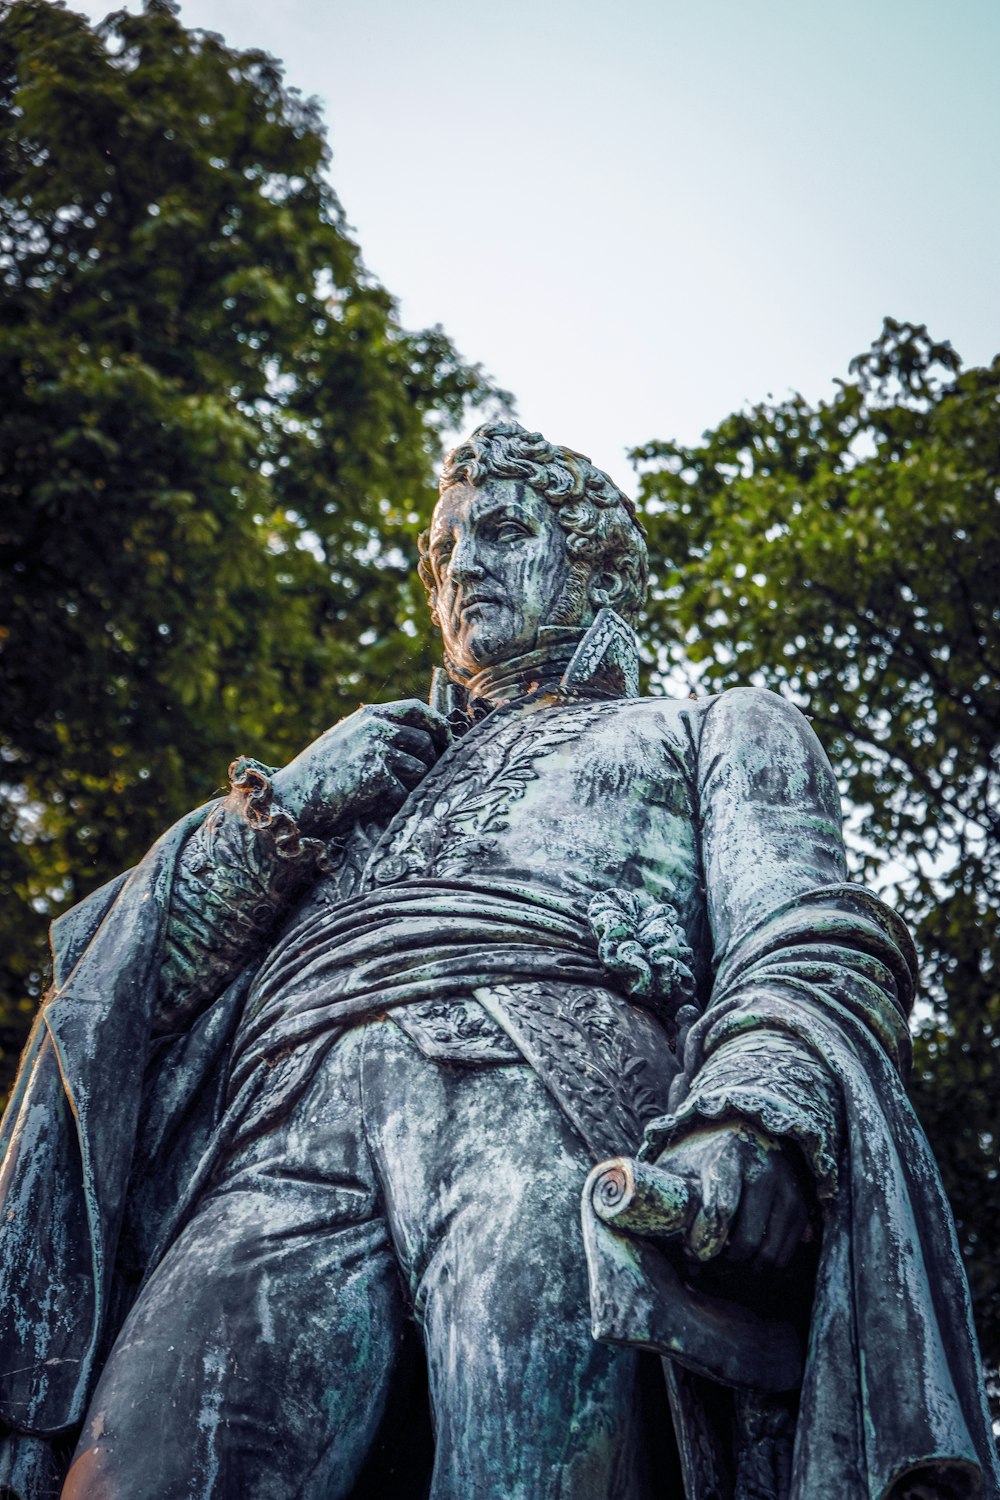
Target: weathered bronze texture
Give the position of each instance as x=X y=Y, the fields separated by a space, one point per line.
x=294 y=1164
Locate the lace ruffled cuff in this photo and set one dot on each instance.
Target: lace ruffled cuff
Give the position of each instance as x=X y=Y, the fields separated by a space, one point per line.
x=774 y=1082
x=643 y=946
x=253 y=794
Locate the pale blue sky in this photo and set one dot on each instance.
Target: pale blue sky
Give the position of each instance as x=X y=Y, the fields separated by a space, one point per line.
x=640 y=216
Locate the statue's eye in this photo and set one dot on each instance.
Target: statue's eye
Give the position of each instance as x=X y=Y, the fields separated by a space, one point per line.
x=511 y=531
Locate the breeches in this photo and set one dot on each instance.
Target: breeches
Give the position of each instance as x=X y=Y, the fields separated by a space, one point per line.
x=258 y=1360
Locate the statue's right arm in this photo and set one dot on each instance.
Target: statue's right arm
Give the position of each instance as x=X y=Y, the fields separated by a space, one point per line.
x=234 y=881
x=229 y=891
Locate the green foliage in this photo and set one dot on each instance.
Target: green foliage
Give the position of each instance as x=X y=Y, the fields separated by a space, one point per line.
x=216 y=447
x=845 y=554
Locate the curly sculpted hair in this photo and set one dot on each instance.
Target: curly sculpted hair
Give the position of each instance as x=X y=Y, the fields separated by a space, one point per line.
x=604 y=536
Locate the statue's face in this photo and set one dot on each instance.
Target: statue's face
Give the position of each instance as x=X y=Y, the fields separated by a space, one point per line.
x=499 y=561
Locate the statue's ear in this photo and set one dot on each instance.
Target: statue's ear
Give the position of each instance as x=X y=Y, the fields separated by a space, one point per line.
x=606 y=588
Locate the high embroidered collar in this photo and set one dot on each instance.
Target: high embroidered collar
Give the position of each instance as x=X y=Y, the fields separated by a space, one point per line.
x=601 y=659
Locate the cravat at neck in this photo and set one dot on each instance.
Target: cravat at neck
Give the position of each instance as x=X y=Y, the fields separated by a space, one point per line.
x=533 y=671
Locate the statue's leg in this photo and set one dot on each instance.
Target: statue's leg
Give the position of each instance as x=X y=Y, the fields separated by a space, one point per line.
x=256 y=1362
x=482 y=1178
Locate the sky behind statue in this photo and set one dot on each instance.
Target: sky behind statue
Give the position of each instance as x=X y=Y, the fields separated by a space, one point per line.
x=640 y=217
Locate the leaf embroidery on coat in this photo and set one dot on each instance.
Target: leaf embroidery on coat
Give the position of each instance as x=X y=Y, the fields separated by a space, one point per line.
x=449 y=834
x=484 y=811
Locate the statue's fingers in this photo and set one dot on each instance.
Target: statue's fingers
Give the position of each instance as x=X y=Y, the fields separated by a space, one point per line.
x=415 y=742
x=721 y=1187
x=406 y=768
x=391 y=794
x=418 y=716
x=786 y=1226
x=753 y=1220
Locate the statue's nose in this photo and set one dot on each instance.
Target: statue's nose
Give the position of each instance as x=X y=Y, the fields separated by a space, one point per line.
x=464 y=565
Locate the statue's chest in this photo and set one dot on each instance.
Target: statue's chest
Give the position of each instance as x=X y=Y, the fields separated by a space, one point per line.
x=576 y=798
x=563 y=794
x=476 y=803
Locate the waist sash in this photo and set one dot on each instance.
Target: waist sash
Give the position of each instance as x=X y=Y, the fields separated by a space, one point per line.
x=423 y=940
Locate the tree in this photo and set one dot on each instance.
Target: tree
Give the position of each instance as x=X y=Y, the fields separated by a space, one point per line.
x=216 y=447
x=844 y=553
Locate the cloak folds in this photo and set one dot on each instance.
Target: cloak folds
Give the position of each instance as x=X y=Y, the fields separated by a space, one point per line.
x=69 y=1138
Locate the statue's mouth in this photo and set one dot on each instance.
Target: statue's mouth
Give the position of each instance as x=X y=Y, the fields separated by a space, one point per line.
x=478 y=601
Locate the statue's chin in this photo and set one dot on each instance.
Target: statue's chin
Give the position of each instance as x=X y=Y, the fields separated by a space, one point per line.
x=482 y=647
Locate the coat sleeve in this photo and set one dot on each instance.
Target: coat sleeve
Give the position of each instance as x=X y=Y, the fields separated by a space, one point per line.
x=232 y=885
x=774 y=872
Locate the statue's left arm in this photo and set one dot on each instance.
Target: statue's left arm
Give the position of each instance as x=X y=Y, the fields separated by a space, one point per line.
x=242 y=869
x=756 y=1102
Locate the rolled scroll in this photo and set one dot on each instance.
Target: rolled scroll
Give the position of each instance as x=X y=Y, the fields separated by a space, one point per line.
x=641 y=1295
x=638 y=1198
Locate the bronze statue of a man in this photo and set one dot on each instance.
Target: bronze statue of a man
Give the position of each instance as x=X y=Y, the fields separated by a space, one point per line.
x=334 y=1063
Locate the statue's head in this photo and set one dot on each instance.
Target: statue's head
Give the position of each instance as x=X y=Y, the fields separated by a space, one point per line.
x=525 y=534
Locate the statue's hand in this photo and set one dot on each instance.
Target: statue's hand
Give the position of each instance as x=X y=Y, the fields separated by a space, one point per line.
x=751 y=1203
x=367 y=763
